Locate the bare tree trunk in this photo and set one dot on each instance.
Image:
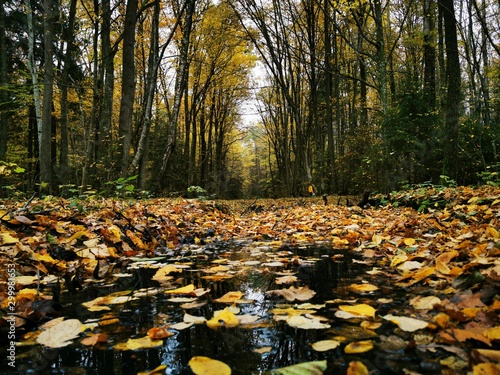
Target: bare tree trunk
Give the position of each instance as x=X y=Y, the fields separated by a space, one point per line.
x=128 y=85
x=65 y=84
x=45 y=136
x=3 y=83
x=181 y=80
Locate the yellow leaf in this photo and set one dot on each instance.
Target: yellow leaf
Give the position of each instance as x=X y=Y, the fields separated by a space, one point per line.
x=492 y=333
x=207 y=366
x=405 y=323
x=362 y=309
x=377 y=239
x=184 y=290
x=325 y=345
x=409 y=241
x=141 y=343
x=363 y=288
x=358 y=347
x=162 y=273
x=486 y=369
x=230 y=297
x=398 y=259
x=357 y=368
x=492 y=232
x=7 y=239
x=224 y=318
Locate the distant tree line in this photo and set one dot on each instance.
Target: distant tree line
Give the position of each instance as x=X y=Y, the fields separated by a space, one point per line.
x=355 y=95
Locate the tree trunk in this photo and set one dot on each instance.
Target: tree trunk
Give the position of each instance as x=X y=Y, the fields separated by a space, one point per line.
x=429 y=55
x=128 y=85
x=453 y=95
x=181 y=80
x=65 y=84
x=45 y=136
x=3 y=83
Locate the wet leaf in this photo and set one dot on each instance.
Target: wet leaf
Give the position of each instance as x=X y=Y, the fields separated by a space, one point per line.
x=224 y=318
x=363 y=288
x=230 y=297
x=406 y=324
x=145 y=342
x=302 y=322
x=184 y=290
x=292 y=294
x=362 y=309
x=207 y=366
x=305 y=368
x=95 y=339
x=62 y=334
x=358 y=347
x=159 y=333
x=325 y=345
x=357 y=368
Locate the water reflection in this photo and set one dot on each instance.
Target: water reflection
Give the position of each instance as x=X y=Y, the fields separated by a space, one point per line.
x=236 y=347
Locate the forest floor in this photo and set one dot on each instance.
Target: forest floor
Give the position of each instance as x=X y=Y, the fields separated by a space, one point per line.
x=246 y=287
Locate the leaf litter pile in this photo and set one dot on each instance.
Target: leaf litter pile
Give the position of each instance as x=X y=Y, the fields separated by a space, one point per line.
x=176 y=286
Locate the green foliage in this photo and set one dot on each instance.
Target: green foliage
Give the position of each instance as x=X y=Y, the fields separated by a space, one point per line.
x=490 y=176
x=198 y=192
x=122 y=187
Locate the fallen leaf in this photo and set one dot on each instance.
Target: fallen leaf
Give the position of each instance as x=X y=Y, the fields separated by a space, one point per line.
x=230 y=297
x=357 y=368
x=325 y=345
x=302 y=322
x=362 y=309
x=362 y=288
x=358 y=347
x=224 y=318
x=486 y=369
x=304 y=368
x=207 y=366
x=62 y=334
x=405 y=323
x=158 y=333
x=140 y=343
x=184 y=290
x=95 y=339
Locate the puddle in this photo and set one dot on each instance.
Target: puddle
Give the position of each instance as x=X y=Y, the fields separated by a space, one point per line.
x=326 y=271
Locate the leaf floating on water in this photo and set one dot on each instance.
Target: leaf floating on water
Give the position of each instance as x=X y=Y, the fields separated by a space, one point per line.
x=163 y=272
x=159 y=370
x=158 y=333
x=62 y=334
x=230 y=297
x=362 y=309
x=325 y=345
x=357 y=368
x=145 y=342
x=405 y=323
x=305 y=368
x=224 y=318
x=95 y=339
x=358 y=347
x=302 y=322
x=207 y=366
x=292 y=294
x=184 y=290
